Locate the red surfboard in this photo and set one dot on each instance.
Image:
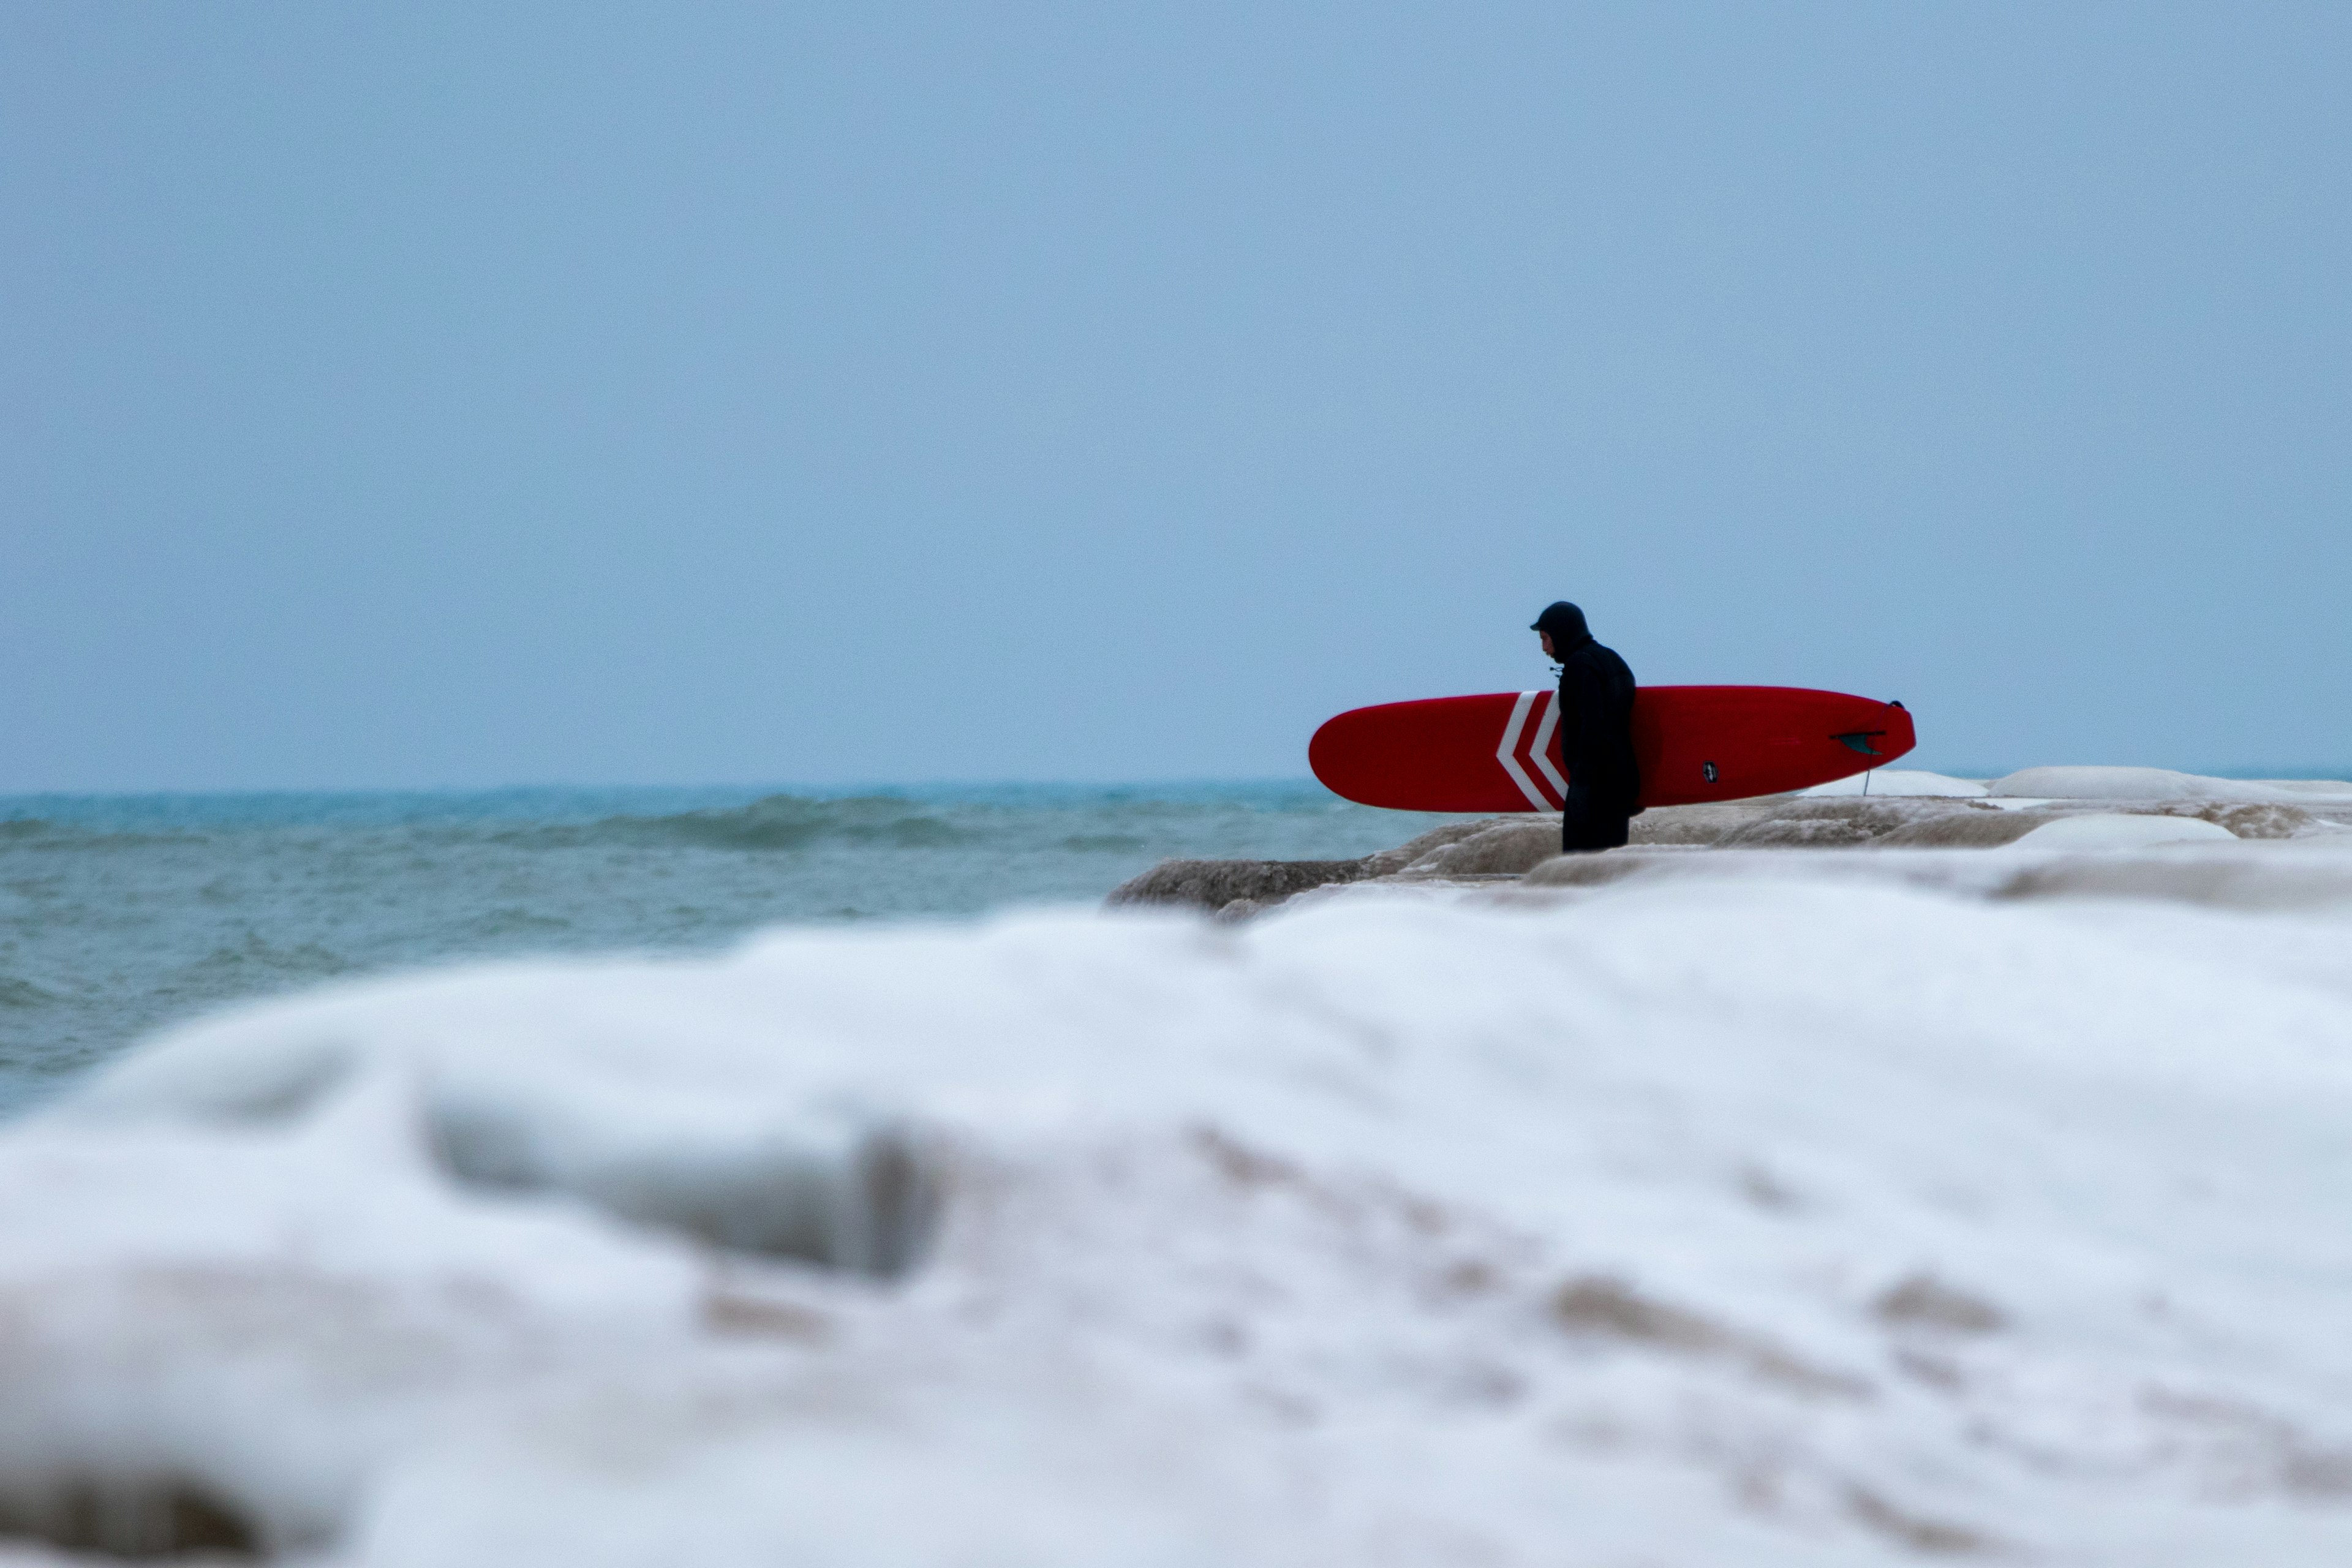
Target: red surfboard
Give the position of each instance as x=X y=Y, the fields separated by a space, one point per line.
x=1498 y=753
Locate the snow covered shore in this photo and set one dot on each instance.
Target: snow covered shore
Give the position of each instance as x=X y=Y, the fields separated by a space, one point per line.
x=1724 y=1206
x=2071 y=807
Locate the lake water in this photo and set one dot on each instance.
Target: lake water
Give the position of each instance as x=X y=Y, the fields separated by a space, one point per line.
x=119 y=913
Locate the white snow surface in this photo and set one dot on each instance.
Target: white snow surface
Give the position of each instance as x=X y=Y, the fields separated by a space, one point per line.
x=2076 y=783
x=1899 y=782
x=2112 y=830
x=1747 y=1214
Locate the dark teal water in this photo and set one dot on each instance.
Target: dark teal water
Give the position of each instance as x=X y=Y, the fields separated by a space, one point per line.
x=122 y=913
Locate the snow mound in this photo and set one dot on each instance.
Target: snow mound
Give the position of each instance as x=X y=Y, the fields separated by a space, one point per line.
x=2162 y=784
x=2110 y=830
x=1900 y=782
x=1774 y=1211
x=2326 y=789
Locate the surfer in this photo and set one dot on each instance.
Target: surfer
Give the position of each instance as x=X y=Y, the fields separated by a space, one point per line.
x=1596 y=733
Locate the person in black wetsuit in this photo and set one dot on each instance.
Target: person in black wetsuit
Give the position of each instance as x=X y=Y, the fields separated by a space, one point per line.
x=1596 y=733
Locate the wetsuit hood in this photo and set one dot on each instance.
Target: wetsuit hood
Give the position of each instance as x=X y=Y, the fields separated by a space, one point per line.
x=1566 y=624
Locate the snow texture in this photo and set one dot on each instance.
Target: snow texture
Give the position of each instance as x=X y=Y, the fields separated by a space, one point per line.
x=2162 y=784
x=1900 y=782
x=2115 y=830
x=1673 y=1206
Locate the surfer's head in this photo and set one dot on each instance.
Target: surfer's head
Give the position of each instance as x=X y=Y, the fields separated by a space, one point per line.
x=1562 y=625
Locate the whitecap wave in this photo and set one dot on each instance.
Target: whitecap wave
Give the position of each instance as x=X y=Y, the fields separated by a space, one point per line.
x=777 y=822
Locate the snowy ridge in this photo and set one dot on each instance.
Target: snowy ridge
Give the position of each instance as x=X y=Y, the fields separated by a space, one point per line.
x=1764 y=1209
x=2162 y=784
x=2082 y=782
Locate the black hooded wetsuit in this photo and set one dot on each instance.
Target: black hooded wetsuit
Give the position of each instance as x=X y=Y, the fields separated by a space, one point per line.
x=1596 y=734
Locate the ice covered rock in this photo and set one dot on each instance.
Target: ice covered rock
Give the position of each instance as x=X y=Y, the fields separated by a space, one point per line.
x=1815 y=824
x=2308 y=875
x=1212 y=885
x=1965 y=830
x=1492 y=846
x=1931 y=820
x=2255 y=819
x=1419 y=848
x=1504 y=847
x=1903 y=810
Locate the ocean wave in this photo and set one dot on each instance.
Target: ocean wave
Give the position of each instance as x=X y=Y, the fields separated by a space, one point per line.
x=302 y=961
x=496 y=924
x=775 y=821
x=1106 y=843
x=43 y=833
x=16 y=993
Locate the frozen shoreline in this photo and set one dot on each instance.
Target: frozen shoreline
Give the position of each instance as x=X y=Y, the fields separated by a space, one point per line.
x=2077 y=808
x=1705 y=1206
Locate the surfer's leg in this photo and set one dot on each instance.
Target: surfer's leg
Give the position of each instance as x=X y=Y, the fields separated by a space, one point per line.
x=1586 y=824
x=1576 y=823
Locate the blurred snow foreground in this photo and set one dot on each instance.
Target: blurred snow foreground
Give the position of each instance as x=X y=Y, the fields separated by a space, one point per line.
x=1739 y=1207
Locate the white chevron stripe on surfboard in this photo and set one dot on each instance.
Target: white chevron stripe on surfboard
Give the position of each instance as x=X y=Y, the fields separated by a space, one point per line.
x=1539 y=749
x=1508 y=753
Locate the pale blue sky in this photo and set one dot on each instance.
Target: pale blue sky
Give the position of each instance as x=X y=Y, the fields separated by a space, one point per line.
x=415 y=394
